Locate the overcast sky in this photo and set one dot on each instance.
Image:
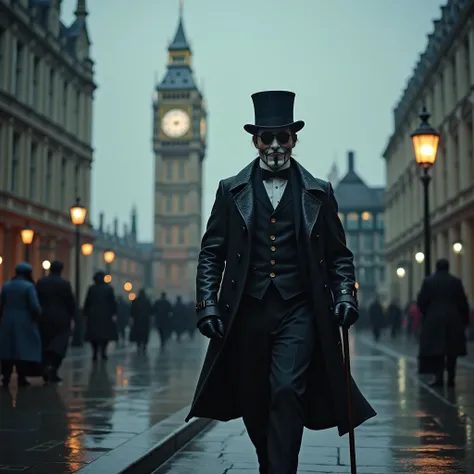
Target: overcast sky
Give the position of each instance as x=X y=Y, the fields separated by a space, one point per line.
x=347 y=60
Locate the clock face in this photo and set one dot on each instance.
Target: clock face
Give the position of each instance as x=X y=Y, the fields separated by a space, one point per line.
x=175 y=123
x=203 y=128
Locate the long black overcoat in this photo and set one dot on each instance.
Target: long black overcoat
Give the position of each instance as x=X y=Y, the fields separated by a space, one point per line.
x=226 y=248
x=445 y=312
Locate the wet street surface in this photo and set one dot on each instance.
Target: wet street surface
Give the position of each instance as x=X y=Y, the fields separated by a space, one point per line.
x=96 y=409
x=417 y=429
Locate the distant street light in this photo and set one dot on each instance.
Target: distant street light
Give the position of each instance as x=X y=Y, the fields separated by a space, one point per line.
x=109 y=257
x=27 y=236
x=419 y=257
x=127 y=286
x=87 y=249
x=401 y=272
x=46 y=265
x=425 y=141
x=457 y=247
x=132 y=296
x=78 y=215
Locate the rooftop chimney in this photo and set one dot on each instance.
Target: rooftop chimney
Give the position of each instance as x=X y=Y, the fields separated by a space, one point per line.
x=101 y=222
x=125 y=231
x=350 y=161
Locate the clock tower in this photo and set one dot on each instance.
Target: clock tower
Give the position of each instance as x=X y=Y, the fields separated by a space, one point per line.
x=179 y=145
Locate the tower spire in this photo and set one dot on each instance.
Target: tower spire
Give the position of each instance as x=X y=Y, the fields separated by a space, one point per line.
x=180 y=42
x=181 y=8
x=81 y=9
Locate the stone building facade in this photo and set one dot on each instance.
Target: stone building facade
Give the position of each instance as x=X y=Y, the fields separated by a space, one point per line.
x=361 y=210
x=131 y=269
x=443 y=81
x=179 y=145
x=46 y=95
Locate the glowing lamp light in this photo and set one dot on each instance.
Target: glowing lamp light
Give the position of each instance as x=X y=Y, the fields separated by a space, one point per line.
x=457 y=247
x=401 y=272
x=356 y=285
x=109 y=256
x=425 y=141
x=420 y=257
x=132 y=296
x=27 y=236
x=108 y=278
x=78 y=213
x=127 y=286
x=87 y=249
x=46 y=264
x=1 y=260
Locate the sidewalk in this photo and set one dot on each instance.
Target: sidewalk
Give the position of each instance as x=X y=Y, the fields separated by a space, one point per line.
x=97 y=409
x=415 y=430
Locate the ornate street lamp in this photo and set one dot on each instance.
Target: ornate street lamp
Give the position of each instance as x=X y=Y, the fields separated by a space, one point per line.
x=457 y=247
x=401 y=272
x=27 y=236
x=78 y=216
x=109 y=257
x=419 y=257
x=87 y=249
x=425 y=141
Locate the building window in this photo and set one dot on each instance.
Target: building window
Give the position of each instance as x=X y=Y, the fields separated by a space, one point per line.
x=361 y=275
x=370 y=276
x=352 y=221
x=77 y=117
x=169 y=203
x=65 y=94
x=174 y=273
x=62 y=183
x=15 y=162
x=382 y=275
x=49 y=179
x=51 y=94
x=32 y=174
x=181 y=170
x=369 y=242
x=381 y=243
x=353 y=242
x=181 y=203
x=18 y=69
x=169 y=237
x=2 y=57
x=36 y=76
x=77 y=176
x=181 y=236
x=169 y=170
x=367 y=220
x=379 y=221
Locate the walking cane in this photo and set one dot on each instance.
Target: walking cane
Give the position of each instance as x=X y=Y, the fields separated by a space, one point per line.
x=347 y=363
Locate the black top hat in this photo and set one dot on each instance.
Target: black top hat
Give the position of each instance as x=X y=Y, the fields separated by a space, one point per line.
x=273 y=109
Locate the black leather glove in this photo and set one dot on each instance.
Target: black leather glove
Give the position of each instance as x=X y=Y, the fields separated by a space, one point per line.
x=346 y=313
x=211 y=327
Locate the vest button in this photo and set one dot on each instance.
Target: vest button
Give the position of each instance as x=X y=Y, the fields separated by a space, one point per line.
x=227 y=307
x=317 y=236
x=239 y=257
x=272 y=262
x=272 y=248
x=321 y=262
x=244 y=228
x=272 y=237
x=273 y=220
x=272 y=275
x=233 y=283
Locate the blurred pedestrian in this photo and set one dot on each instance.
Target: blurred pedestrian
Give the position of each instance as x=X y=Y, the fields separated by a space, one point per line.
x=413 y=319
x=123 y=315
x=179 y=318
x=20 y=342
x=140 y=316
x=163 y=312
x=394 y=318
x=57 y=319
x=100 y=309
x=445 y=316
x=376 y=317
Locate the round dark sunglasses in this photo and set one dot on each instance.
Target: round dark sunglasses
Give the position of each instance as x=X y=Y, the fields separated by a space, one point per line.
x=281 y=137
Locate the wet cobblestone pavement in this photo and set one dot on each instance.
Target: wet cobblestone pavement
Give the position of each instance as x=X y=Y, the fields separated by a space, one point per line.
x=96 y=409
x=417 y=429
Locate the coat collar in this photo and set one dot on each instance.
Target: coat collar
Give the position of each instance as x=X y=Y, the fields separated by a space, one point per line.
x=308 y=182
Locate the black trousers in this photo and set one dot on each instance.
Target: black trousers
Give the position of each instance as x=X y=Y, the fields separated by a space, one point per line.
x=99 y=346
x=275 y=347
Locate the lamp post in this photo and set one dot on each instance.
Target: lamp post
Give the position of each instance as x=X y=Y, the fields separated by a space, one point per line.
x=109 y=257
x=425 y=141
x=27 y=236
x=78 y=216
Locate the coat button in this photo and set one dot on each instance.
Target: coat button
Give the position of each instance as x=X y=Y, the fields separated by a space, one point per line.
x=272 y=275
x=273 y=220
x=321 y=262
x=272 y=262
x=227 y=307
x=272 y=237
x=272 y=248
x=244 y=228
x=325 y=287
x=317 y=236
x=239 y=257
x=233 y=283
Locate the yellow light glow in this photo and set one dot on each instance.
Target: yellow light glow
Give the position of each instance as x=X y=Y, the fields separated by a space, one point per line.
x=46 y=264
x=356 y=285
x=457 y=247
x=366 y=216
x=109 y=256
x=127 y=286
x=78 y=213
x=108 y=278
x=420 y=257
x=426 y=148
x=132 y=296
x=401 y=272
x=1 y=260
x=87 y=249
x=27 y=236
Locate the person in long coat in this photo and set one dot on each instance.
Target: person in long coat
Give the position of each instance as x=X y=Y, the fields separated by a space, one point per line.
x=100 y=309
x=57 y=319
x=275 y=241
x=140 y=315
x=179 y=318
x=20 y=342
x=376 y=317
x=445 y=316
x=163 y=312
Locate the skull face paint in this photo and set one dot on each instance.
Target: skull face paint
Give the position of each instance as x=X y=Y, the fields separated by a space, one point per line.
x=275 y=146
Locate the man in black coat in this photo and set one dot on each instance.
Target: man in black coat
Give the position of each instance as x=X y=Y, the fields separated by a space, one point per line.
x=274 y=281
x=57 y=319
x=445 y=311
